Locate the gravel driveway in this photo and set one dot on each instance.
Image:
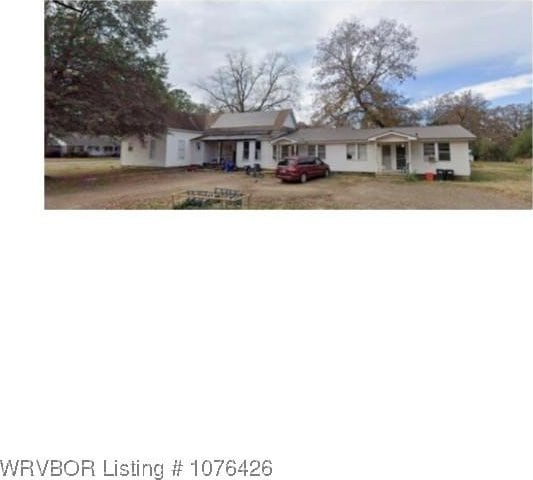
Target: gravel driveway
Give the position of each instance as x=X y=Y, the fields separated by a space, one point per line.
x=341 y=191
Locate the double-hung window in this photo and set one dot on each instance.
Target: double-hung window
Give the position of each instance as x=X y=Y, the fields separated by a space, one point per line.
x=356 y=151
x=316 y=151
x=437 y=151
x=444 y=152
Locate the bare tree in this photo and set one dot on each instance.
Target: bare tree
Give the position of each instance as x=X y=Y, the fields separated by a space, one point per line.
x=355 y=66
x=241 y=86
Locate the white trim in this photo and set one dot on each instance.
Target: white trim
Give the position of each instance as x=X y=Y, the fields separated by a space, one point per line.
x=392 y=132
x=285 y=139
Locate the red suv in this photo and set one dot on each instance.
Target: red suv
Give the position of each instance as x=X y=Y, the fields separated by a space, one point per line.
x=301 y=169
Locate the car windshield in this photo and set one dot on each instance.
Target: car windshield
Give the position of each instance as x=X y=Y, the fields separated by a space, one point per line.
x=285 y=162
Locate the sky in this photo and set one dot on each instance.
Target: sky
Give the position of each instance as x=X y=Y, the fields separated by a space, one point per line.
x=484 y=46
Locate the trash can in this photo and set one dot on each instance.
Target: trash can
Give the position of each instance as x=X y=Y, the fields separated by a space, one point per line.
x=441 y=174
x=429 y=176
x=450 y=175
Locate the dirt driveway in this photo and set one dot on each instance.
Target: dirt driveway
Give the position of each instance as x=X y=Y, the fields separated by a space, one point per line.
x=154 y=189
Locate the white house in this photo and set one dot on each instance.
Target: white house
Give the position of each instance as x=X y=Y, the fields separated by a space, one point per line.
x=246 y=138
x=173 y=149
x=414 y=149
x=266 y=137
x=195 y=139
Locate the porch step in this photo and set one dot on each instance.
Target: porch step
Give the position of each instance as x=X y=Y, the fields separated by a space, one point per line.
x=390 y=173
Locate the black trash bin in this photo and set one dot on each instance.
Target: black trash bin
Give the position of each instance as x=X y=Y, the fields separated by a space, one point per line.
x=450 y=175
x=441 y=174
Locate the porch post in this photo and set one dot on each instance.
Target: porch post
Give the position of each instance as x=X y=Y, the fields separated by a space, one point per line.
x=409 y=155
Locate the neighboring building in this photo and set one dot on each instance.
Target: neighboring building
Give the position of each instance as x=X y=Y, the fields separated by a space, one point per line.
x=75 y=144
x=266 y=137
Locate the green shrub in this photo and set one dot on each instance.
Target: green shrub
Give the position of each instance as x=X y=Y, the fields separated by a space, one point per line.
x=412 y=177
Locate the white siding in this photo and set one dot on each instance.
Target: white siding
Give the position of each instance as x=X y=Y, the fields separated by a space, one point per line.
x=266 y=156
x=240 y=161
x=289 y=122
x=337 y=161
x=173 y=138
x=459 y=161
x=139 y=155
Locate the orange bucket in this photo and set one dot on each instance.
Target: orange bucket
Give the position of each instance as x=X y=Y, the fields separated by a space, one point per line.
x=430 y=176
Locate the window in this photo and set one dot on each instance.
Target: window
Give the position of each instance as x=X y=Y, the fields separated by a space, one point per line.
x=198 y=146
x=356 y=151
x=274 y=152
x=257 y=150
x=152 y=148
x=316 y=151
x=284 y=151
x=181 y=149
x=130 y=147
x=429 y=150
x=444 y=151
x=246 y=150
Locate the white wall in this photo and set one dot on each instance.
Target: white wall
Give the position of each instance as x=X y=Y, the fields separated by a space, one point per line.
x=266 y=156
x=459 y=161
x=134 y=153
x=289 y=122
x=241 y=163
x=337 y=161
x=173 y=138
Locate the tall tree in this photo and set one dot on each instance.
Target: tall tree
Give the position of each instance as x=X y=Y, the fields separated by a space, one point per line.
x=100 y=73
x=182 y=102
x=355 y=69
x=515 y=117
x=466 y=108
x=242 y=86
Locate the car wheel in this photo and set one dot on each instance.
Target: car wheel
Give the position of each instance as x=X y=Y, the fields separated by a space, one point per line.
x=326 y=173
x=303 y=178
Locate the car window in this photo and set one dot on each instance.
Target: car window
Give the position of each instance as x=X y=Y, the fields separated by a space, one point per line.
x=318 y=161
x=283 y=162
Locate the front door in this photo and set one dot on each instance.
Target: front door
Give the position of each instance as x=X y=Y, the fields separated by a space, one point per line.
x=386 y=157
x=401 y=157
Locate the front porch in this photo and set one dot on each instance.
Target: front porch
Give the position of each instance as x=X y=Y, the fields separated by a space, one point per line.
x=394 y=153
x=239 y=152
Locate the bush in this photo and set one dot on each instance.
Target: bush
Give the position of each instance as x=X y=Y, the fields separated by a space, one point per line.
x=492 y=152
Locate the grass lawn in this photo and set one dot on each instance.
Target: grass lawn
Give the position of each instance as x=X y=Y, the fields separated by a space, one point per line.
x=508 y=177
x=80 y=167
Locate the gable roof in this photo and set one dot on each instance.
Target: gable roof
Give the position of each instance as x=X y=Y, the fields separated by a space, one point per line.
x=189 y=121
x=346 y=134
x=248 y=125
x=272 y=120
